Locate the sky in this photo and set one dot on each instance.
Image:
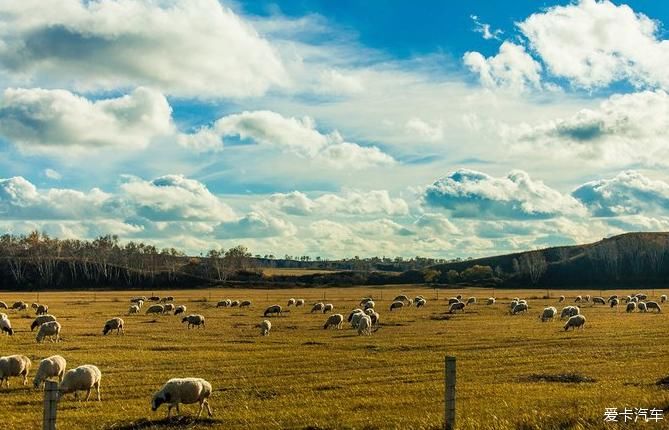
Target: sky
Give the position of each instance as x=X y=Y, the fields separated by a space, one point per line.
x=335 y=129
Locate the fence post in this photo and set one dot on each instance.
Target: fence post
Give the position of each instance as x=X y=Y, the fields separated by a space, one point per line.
x=50 y=405
x=449 y=386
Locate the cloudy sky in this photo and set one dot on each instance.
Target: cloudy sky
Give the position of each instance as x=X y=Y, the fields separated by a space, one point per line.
x=335 y=129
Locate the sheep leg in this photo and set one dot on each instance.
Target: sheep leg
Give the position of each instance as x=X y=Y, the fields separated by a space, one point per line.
x=169 y=411
x=25 y=378
x=199 y=412
x=97 y=389
x=206 y=402
x=88 y=395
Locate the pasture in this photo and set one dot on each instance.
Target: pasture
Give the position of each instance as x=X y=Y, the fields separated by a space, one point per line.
x=301 y=376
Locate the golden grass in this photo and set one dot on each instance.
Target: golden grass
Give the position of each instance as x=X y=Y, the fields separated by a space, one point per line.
x=302 y=376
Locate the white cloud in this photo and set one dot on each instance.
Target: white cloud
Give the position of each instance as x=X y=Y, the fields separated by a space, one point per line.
x=53 y=174
x=254 y=225
x=486 y=31
x=349 y=202
x=192 y=48
x=424 y=130
x=595 y=43
x=511 y=68
x=436 y=224
x=39 y=120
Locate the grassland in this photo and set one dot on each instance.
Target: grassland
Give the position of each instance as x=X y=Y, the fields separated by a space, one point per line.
x=302 y=376
x=287 y=271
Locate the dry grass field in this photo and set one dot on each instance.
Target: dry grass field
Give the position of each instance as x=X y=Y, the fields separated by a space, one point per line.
x=280 y=271
x=302 y=376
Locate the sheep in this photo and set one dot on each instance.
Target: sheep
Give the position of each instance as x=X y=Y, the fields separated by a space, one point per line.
x=82 y=378
x=548 y=314
x=355 y=319
x=614 y=303
x=453 y=300
x=653 y=305
x=115 y=323
x=34 y=305
x=456 y=307
x=561 y=299
x=632 y=299
x=373 y=315
x=578 y=299
x=365 y=325
x=133 y=309
x=418 y=299
x=274 y=309
x=194 y=320
x=299 y=302
x=265 y=327
x=577 y=321
x=420 y=303
x=167 y=308
x=641 y=296
x=3 y=305
x=42 y=310
x=19 y=306
x=611 y=298
x=396 y=305
x=471 y=300
x=183 y=390
x=401 y=298
x=291 y=302
x=459 y=297
x=318 y=307
x=353 y=312
x=223 y=304
x=569 y=311
x=598 y=301
x=49 y=329
x=370 y=304
x=587 y=298
x=154 y=299
x=328 y=307
x=14 y=365
x=136 y=300
x=490 y=301
x=181 y=309
x=631 y=307
x=234 y=303
x=520 y=307
x=6 y=325
x=50 y=367
x=334 y=320
x=155 y=309
x=663 y=298
x=245 y=303
x=167 y=299
x=140 y=303
x=642 y=307
x=41 y=320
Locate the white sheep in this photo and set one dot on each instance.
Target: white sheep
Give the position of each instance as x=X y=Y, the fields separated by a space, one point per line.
x=365 y=325
x=183 y=390
x=14 y=365
x=641 y=296
x=334 y=320
x=328 y=307
x=548 y=314
x=401 y=298
x=6 y=325
x=181 y=309
x=354 y=319
x=598 y=301
x=631 y=307
x=353 y=312
x=420 y=303
x=365 y=300
x=299 y=302
x=265 y=327
x=459 y=306
x=569 y=311
x=453 y=300
x=50 y=367
x=471 y=300
x=194 y=320
x=561 y=299
x=115 y=323
x=318 y=307
x=578 y=299
x=577 y=321
x=234 y=303
x=41 y=320
x=490 y=301
x=82 y=378
x=587 y=298
x=133 y=309
x=397 y=304
x=614 y=303
x=167 y=308
x=612 y=297
x=642 y=307
x=373 y=315
x=663 y=298
x=274 y=309
x=291 y=302
x=3 y=305
x=19 y=306
x=49 y=329
x=245 y=303
x=370 y=304
x=155 y=309
x=223 y=304
x=653 y=305
x=520 y=307
x=42 y=310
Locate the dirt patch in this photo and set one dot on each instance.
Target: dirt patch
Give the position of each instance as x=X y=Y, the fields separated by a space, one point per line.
x=327 y=387
x=663 y=382
x=266 y=394
x=313 y=343
x=172 y=423
x=565 y=378
x=440 y=317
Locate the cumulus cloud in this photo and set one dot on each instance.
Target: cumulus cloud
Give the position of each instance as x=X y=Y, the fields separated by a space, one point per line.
x=298 y=136
x=437 y=224
x=511 y=68
x=595 y=43
x=349 y=202
x=50 y=120
x=192 y=48
x=486 y=31
x=628 y=193
x=470 y=194
x=254 y=225
x=425 y=130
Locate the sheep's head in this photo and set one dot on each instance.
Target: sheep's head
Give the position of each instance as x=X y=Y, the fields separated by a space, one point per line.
x=184 y=319
x=159 y=399
x=37 y=382
x=106 y=330
x=9 y=330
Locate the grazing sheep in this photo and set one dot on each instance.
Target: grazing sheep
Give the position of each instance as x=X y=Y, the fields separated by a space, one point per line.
x=373 y=315
x=401 y=298
x=181 y=309
x=133 y=309
x=365 y=325
x=632 y=299
x=396 y=305
x=194 y=320
x=578 y=299
x=140 y=303
x=167 y=299
x=318 y=307
x=561 y=299
x=577 y=321
x=355 y=319
x=115 y=323
x=420 y=303
x=598 y=301
x=459 y=306
x=82 y=378
x=223 y=304
x=19 y=306
x=169 y=307
x=614 y=303
x=490 y=301
x=49 y=329
x=334 y=320
x=611 y=298
x=569 y=311
x=154 y=299
x=265 y=327
x=274 y=309
x=520 y=307
x=653 y=305
x=353 y=312
x=370 y=304
x=663 y=298
x=6 y=325
x=587 y=298
x=42 y=310
x=245 y=303
x=34 y=305
x=234 y=303
x=459 y=297
x=548 y=314
x=642 y=307
x=291 y=301
x=14 y=365
x=453 y=300
x=50 y=367
x=183 y=390
x=41 y=320
x=155 y=309
x=299 y=302
x=3 y=305
x=641 y=296
x=328 y=307
x=471 y=300
x=136 y=300
x=631 y=307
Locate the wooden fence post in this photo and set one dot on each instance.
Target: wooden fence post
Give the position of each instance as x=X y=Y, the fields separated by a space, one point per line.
x=449 y=387
x=50 y=405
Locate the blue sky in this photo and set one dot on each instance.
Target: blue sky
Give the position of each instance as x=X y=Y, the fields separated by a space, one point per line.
x=326 y=128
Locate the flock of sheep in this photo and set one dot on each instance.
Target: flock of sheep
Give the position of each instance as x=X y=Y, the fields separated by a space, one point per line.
x=365 y=319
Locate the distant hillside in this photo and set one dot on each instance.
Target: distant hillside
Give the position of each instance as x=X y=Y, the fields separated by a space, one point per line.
x=631 y=259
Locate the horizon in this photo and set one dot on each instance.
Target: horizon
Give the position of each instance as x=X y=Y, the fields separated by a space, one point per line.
x=334 y=130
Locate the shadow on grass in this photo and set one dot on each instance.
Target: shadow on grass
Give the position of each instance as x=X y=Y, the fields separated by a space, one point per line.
x=182 y=422
x=568 y=378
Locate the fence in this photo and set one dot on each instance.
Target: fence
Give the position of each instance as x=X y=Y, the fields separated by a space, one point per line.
x=449 y=397
x=50 y=404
